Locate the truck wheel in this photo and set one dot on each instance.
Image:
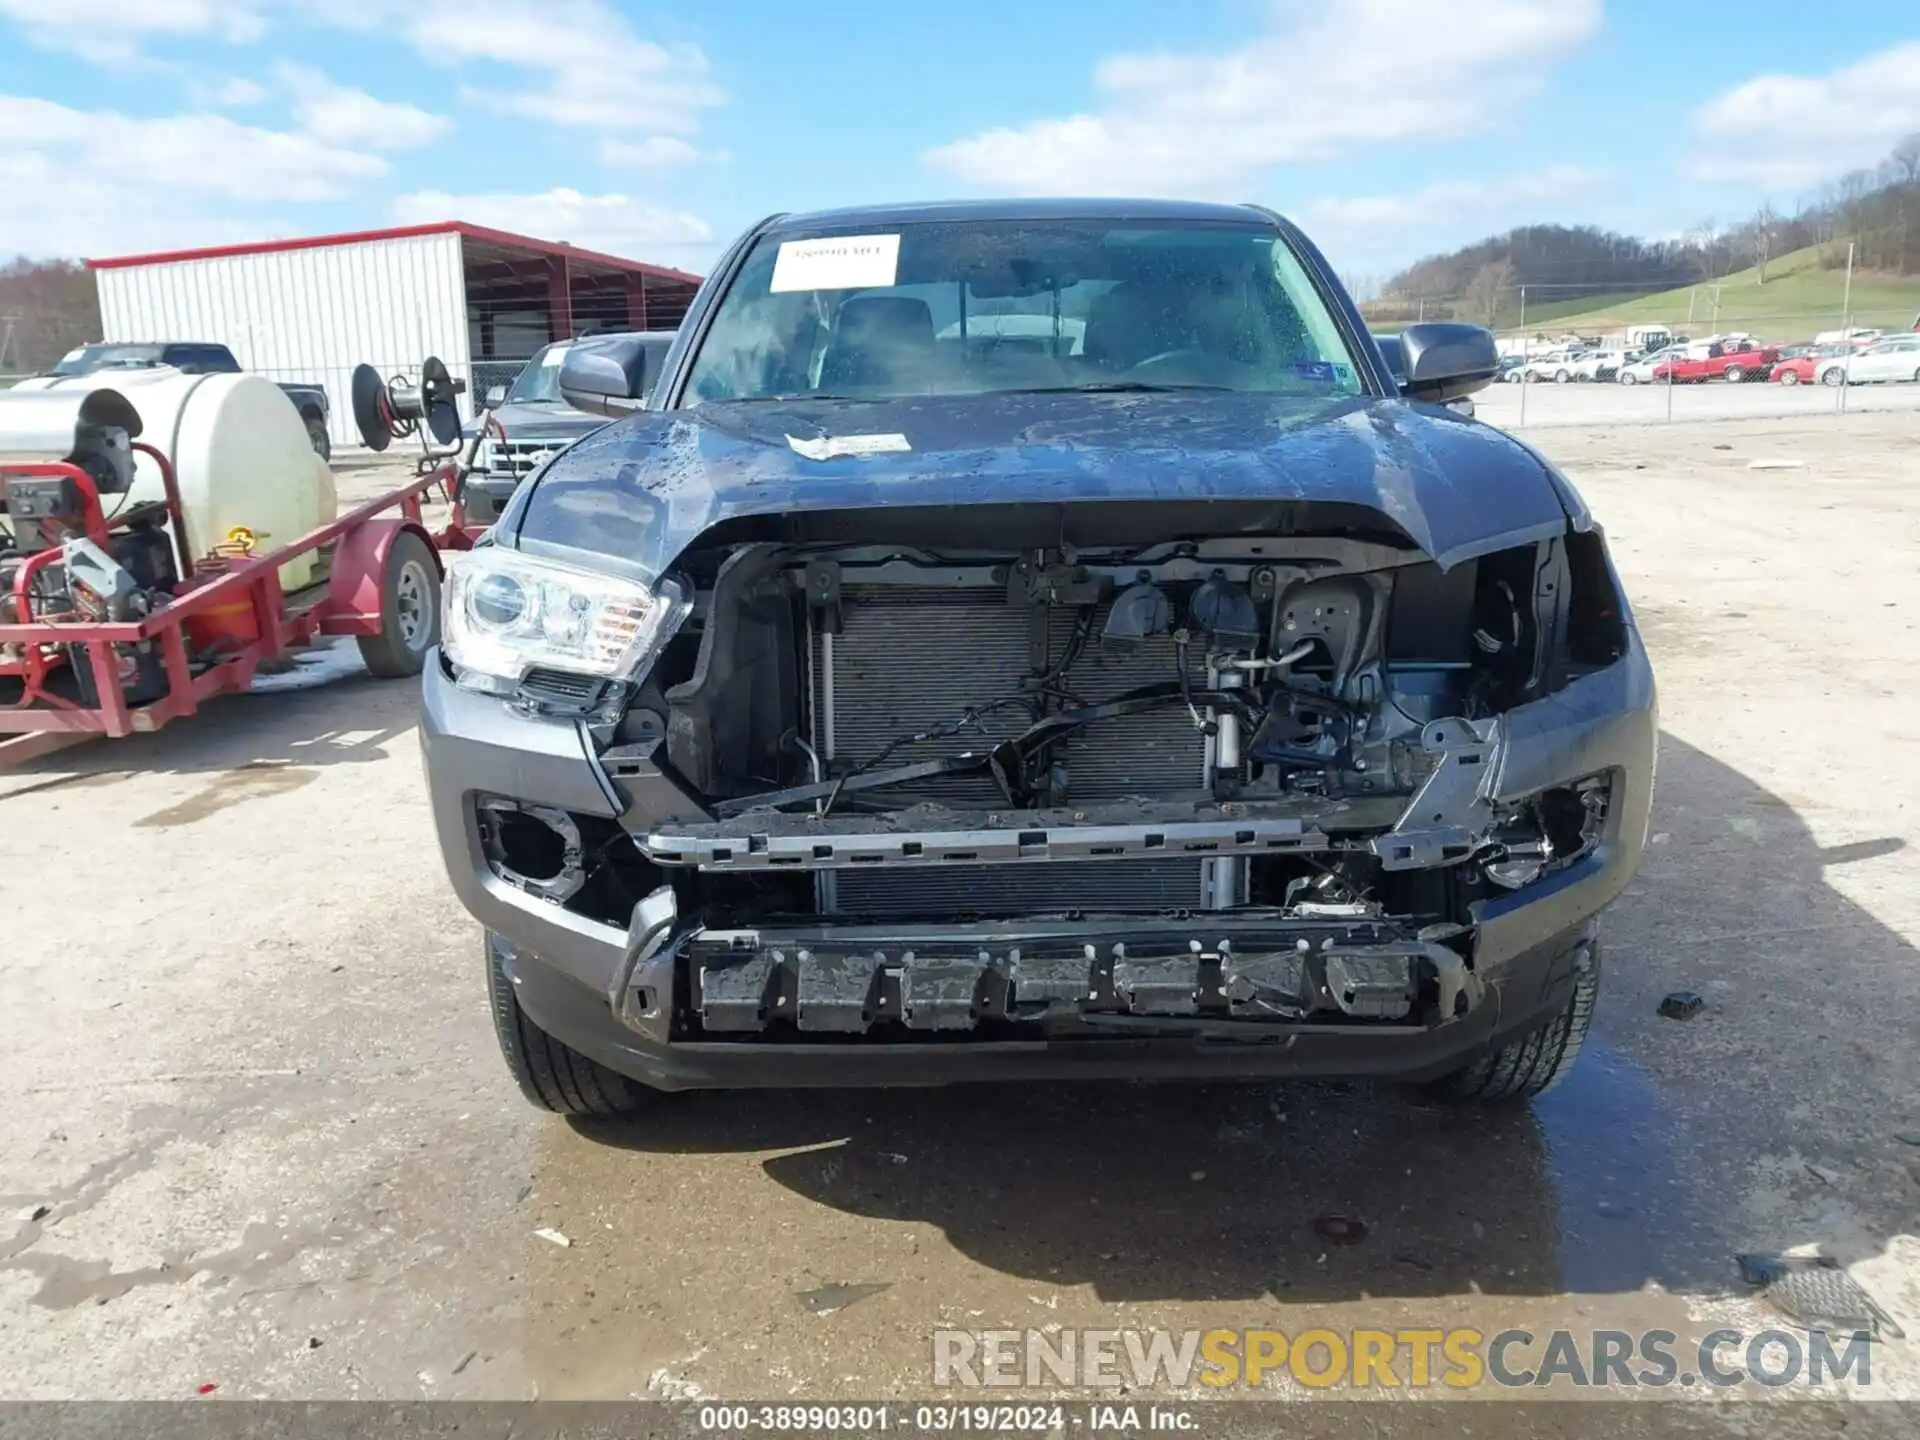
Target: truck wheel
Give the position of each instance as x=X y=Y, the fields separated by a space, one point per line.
x=553 y=1076
x=1537 y=1061
x=1561 y=377
x=322 y=441
x=409 y=610
x=1735 y=374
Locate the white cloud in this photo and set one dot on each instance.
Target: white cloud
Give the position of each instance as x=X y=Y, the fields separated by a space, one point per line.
x=617 y=224
x=1789 y=132
x=239 y=92
x=1320 y=81
x=590 y=67
x=655 y=152
x=339 y=115
x=97 y=181
x=1382 y=232
x=110 y=31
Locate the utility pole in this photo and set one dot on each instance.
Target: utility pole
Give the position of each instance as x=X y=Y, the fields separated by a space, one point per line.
x=1526 y=354
x=1846 y=327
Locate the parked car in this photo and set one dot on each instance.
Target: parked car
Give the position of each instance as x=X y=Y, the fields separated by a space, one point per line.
x=1640 y=372
x=531 y=422
x=196 y=357
x=1602 y=364
x=854 y=716
x=1698 y=364
x=1560 y=366
x=1800 y=364
x=1890 y=360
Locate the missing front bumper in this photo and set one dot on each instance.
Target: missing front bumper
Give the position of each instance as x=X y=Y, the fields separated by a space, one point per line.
x=1255 y=974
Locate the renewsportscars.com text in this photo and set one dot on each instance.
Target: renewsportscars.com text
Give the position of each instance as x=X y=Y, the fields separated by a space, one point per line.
x=1459 y=1359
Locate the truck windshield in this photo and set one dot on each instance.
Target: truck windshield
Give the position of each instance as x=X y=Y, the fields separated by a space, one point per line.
x=540 y=380
x=993 y=306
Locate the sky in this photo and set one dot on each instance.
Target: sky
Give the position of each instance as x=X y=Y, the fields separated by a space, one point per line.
x=1390 y=129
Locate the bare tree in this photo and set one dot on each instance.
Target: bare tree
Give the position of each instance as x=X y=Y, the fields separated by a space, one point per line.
x=1758 y=235
x=1906 y=159
x=1480 y=301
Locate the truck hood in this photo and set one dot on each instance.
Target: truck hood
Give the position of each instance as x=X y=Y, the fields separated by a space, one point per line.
x=636 y=493
x=558 y=423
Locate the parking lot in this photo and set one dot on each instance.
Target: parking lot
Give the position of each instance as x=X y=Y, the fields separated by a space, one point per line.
x=260 y=1138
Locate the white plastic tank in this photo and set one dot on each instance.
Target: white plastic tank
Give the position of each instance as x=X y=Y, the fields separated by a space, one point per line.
x=241 y=455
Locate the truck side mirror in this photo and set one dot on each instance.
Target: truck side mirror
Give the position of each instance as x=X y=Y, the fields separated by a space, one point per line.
x=605 y=377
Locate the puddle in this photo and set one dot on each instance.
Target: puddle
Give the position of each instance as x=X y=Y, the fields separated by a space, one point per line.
x=68 y=1281
x=249 y=782
x=313 y=668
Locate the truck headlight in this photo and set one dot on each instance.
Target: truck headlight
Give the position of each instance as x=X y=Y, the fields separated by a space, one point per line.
x=507 y=614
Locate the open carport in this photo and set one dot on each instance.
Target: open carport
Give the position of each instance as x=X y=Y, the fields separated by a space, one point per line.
x=310 y=309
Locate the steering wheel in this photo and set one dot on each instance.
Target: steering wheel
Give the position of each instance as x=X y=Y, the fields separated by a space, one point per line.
x=1191 y=365
x=1183 y=352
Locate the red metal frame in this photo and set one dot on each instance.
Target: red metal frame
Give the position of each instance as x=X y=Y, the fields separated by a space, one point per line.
x=41 y=720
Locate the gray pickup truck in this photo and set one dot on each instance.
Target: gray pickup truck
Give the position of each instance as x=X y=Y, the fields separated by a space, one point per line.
x=198 y=358
x=532 y=422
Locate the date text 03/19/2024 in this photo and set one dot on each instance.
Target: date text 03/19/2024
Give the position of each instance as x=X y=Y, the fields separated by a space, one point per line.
x=943 y=1419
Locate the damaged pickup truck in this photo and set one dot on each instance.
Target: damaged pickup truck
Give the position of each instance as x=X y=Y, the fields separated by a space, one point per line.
x=1038 y=641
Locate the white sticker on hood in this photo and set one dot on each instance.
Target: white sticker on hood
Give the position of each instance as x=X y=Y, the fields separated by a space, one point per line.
x=829 y=447
x=842 y=262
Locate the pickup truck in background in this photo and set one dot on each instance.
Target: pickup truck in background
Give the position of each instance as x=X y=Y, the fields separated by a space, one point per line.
x=530 y=421
x=198 y=358
x=1720 y=362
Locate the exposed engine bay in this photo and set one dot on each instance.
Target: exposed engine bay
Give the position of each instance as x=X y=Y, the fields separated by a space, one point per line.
x=878 y=741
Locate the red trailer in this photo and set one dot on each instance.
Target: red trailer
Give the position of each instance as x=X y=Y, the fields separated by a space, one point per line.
x=71 y=669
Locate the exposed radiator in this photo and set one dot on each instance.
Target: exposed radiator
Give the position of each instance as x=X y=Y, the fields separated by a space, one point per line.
x=909 y=658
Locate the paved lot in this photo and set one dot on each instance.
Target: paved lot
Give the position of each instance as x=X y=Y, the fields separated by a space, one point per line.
x=252 y=1080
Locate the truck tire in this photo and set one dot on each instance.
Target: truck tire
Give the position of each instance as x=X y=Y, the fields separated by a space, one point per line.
x=409 y=610
x=1735 y=374
x=322 y=441
x=1537 y=1061
x=551 y=1075
x=1561 y=377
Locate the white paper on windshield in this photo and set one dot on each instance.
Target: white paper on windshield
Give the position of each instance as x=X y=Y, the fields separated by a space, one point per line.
x=551 y=360
x=844 y=262
x=829 y=447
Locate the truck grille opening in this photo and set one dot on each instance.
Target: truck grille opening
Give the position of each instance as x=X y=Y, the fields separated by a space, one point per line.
x=910 y=657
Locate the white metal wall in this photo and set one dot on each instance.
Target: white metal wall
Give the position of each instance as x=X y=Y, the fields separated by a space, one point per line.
x=308 y=315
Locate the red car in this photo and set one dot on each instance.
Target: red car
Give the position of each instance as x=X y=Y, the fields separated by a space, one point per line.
x=1721 y=363
x=1800 y=364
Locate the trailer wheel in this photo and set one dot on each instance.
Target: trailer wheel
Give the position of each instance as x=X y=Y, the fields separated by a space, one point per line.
x=553 y=1076
x=409 y=610
x=317 y=434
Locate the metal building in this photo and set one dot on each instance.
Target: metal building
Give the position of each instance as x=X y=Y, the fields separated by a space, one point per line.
x=311 y=309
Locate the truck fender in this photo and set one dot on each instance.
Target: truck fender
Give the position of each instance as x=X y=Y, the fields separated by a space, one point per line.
x=360 y=565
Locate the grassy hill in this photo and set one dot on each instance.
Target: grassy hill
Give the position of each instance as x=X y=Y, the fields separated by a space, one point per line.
x=1799 y=299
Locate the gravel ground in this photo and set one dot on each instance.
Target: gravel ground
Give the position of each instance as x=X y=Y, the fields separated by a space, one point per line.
x=260 y=1137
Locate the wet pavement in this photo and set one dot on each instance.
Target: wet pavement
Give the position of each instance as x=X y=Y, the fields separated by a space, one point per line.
x=257 y=1098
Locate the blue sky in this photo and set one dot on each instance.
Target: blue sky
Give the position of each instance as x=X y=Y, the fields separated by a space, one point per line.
x=1390 y=128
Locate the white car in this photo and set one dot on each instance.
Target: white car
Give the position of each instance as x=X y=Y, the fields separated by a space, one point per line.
x=1889 y=360
x=1640 y=372
x=1558 y=367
